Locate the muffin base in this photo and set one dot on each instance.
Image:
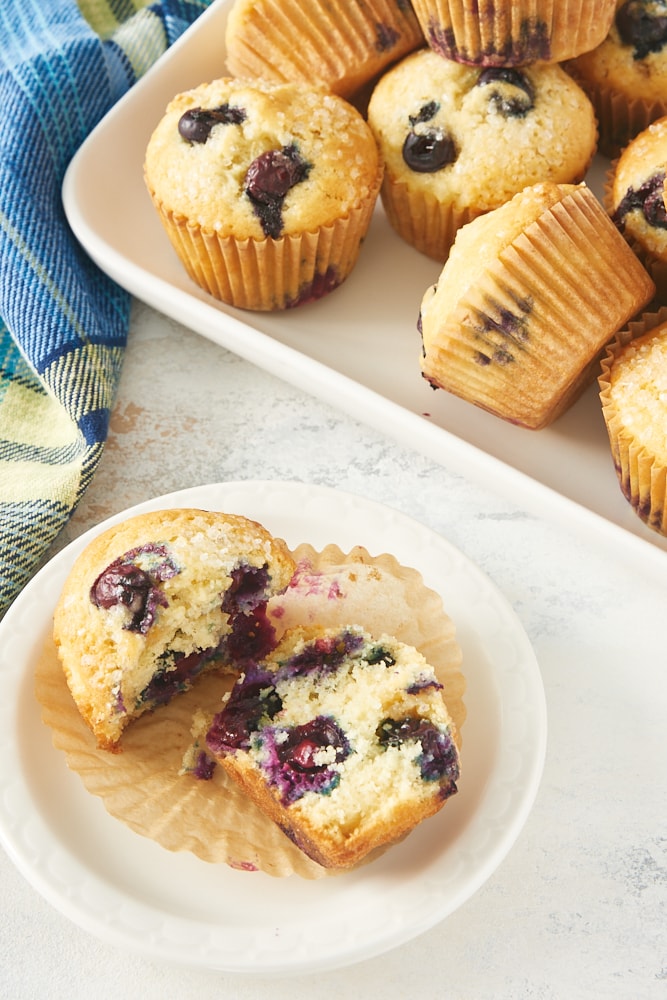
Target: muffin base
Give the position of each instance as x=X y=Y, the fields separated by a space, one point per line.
x=492 y=33
x=271 y=274
x=337 y=45
x=621 y=116
x=527 y=339
x=422 y=220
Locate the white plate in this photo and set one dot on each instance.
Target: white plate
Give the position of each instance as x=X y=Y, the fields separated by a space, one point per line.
x=357 y=348
x=129 y=891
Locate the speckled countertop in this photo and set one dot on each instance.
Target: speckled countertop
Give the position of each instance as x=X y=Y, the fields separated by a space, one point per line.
x=578 y=909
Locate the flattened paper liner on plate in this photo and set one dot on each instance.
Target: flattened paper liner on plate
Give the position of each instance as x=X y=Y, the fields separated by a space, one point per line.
x=333 y=588
x=142 y=786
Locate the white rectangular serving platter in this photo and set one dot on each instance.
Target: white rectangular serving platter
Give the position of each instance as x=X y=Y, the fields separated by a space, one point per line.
x=358 y=348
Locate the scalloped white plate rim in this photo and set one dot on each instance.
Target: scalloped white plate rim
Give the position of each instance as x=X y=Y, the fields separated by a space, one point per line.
x=130 y=892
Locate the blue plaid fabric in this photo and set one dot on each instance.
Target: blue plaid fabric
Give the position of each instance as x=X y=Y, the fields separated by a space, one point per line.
x=63 y=324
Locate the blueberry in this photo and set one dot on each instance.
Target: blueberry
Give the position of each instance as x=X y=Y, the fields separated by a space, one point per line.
x=268 y=179
x=325 y=653
x=423 y=684
x=510 y=92
x=531 y=42
x=195 y=124
x=438 y=758
x=648 y=199
x=653 y=193
x=252 y=635
x=176 y=673
x=429 y=151
x=299 y=750
x=252 y=699
x=425 y=113
x=204 y=767
x=642 y=24
x=386 y=37
x=247 y=589
x=292 y=757
x=121 y=583
x=125 y=582
x=380 y=655
x=321 y=284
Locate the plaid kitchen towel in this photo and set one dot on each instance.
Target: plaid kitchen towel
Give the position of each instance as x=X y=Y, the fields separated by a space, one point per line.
x=63 y=324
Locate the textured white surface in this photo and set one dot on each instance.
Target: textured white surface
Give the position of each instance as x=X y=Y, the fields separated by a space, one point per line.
x=579 y=907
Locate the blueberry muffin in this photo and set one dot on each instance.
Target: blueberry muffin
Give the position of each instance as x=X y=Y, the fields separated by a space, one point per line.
x=266 y=191
x=342 y=739
x=458 y=140
x=158 y=600
x=165 y=785
x=633 y=391
x=635 y=198
x=339 y=44
x=513 y=32
x=526 y=302
x=626 y=74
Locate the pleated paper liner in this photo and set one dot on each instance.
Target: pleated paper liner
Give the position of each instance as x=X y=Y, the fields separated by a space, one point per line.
x=642 y=474
x=514 y=32
x=428 y=224
x=338 y=45
x=422 y=220
x=271 y=274
x=621 y=115
x=568 y=282
x=143 y=786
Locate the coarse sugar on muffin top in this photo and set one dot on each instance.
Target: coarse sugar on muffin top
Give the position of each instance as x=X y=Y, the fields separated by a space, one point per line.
x=638 y=391
x=505 y=129
x=205 y=178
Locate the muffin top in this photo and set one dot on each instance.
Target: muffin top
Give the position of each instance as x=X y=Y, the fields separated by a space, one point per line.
x=251 y=159
x=636 y=191
x=474 y=137
x=632 y=59
x=638 y=390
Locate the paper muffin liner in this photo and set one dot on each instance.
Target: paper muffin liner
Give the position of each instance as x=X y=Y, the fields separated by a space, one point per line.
x=542 y=313
x=642 y=476
x=656 y=266
x=422 y=220
x=514 y=32
x=144 y=787
x=271 y=274
x=338 y=45
x=621 y=115
x=430 y=225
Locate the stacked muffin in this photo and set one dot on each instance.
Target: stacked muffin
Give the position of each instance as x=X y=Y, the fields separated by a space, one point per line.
x=526 y=302
x=485 y=140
